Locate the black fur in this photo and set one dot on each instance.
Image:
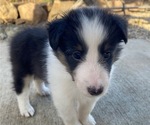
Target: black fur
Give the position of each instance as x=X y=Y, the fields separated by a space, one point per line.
x=64 y=35
x=28 y=55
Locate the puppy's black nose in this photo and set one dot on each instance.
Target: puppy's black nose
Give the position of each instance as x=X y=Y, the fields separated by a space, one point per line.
x=94 y=91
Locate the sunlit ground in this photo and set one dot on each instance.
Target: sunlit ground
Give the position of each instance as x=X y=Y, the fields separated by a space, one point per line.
x=139 y=24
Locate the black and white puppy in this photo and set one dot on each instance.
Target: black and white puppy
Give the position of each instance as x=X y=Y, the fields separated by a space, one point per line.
x=83 y=46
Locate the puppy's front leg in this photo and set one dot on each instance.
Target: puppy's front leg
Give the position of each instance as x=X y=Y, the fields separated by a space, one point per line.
x=85 y=107
x=65 y=104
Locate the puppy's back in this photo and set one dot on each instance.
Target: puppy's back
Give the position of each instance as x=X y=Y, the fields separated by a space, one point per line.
x=27 y=53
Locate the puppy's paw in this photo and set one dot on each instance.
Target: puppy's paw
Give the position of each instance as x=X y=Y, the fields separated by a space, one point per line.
x=90 y=121
x=43 y=90
x=27 y=111
x=77 y=123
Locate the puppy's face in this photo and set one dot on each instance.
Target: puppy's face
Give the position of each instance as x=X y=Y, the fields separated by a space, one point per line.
x=87 y=42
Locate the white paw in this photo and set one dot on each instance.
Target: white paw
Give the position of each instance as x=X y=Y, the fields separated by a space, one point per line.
x=43 y=91
x=90 y=121
x=72 y=123
x=27 y=111
x=79 y=124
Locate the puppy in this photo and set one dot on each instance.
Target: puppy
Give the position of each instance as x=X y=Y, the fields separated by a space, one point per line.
x=75 y=55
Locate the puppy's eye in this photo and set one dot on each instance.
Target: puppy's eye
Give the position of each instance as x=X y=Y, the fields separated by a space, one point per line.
x=77 y=55
x=107 y=55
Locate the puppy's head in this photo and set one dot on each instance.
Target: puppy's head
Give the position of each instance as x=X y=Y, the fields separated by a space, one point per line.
x=87 y=42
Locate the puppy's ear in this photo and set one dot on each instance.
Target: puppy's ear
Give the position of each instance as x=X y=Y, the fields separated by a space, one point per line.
x=55 y=31
x=122 y=26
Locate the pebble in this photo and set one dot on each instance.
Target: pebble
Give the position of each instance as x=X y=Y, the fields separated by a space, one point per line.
x=8 y=31
x=3 y=34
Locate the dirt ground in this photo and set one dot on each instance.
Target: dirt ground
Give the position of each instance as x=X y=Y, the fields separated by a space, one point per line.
x=139 y=24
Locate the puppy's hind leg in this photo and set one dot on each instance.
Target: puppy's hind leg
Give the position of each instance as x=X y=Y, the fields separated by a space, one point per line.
x=41 y=87
x=23 y=97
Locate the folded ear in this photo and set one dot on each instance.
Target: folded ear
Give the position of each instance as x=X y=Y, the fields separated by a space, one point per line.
x=55 y=31
x=122 y=26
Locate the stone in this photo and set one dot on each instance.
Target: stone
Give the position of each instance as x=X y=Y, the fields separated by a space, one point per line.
x=8 y=12
x=3 y=34
x=32 y=13
x=1 y=21
x=47 y=6
x=59 y=8
x=19 y=21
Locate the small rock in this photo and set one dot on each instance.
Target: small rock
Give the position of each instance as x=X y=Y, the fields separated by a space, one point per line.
x=47 y=6
x=58 y=8
x=32 y=13
x=1 y=21
x=3 y=34
x=19 y=21
x=10 y=21
x=8 y=12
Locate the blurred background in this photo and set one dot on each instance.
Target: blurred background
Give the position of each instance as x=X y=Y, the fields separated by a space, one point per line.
x=15 y=13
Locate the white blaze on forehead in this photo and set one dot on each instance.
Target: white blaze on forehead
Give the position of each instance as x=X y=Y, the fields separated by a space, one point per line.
x=93 y=31
x=93 y=34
